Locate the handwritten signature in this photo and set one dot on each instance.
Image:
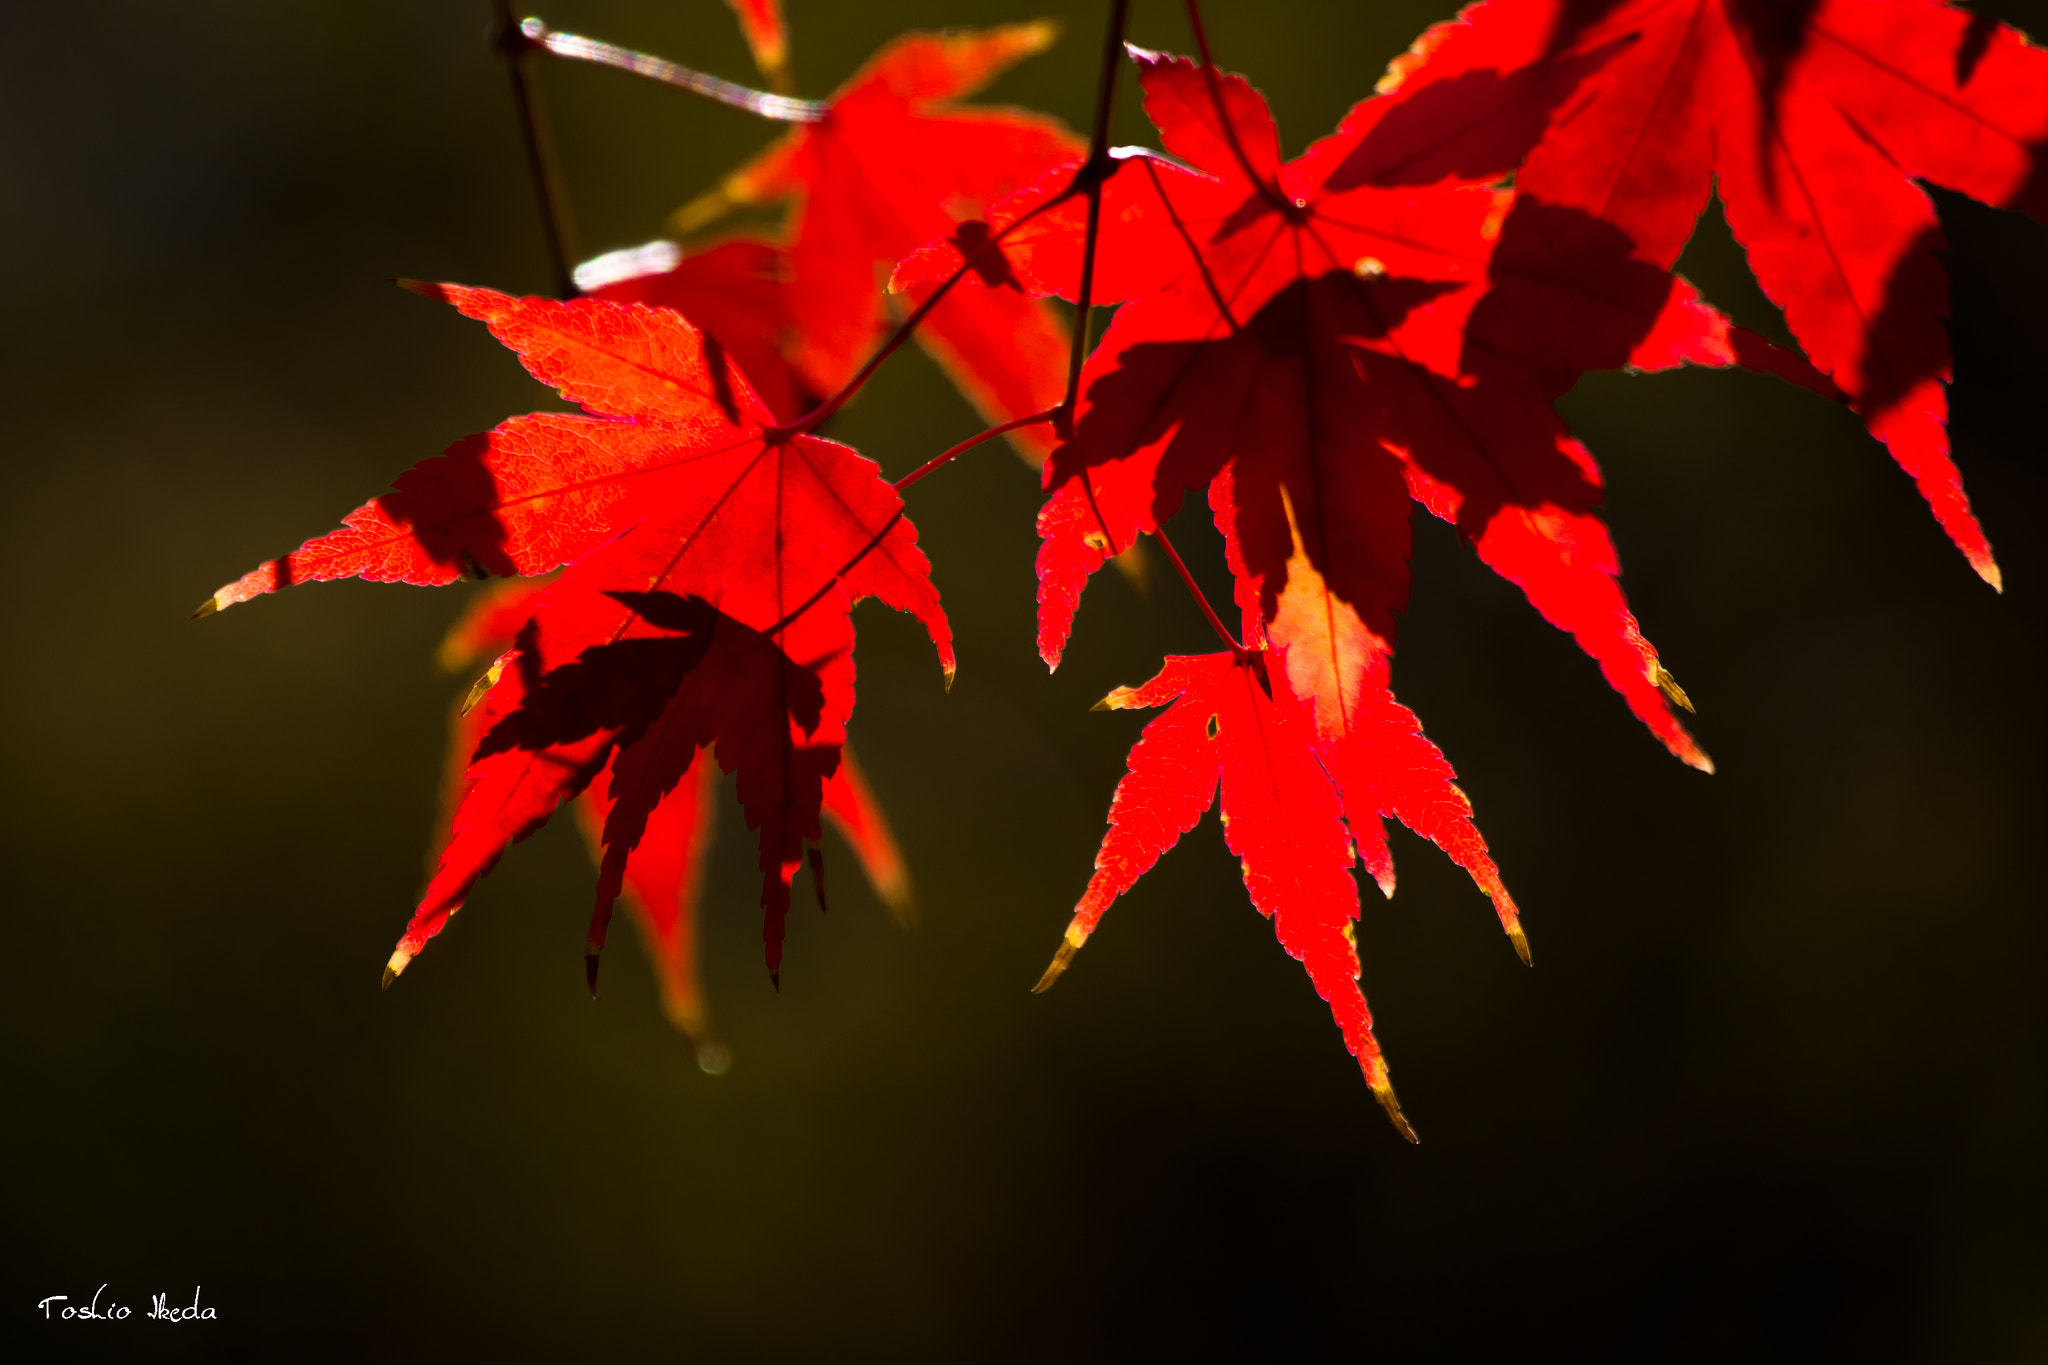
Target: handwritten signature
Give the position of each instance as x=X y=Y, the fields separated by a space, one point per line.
x=58 y=1307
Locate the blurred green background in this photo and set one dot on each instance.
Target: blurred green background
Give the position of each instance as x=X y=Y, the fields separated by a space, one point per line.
x=1777 y=1089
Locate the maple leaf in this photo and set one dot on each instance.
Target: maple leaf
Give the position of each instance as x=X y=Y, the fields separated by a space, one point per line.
x=1279 y=323
x=664 y=871
x=1318 y=359
x=1813 y=119
x=889 y=165
x=713 y=559
x=1233 y=726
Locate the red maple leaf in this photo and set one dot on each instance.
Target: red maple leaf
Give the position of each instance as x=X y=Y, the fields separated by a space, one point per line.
x=1813 y=119
x=665 y=870
x=1285 y=325
x=1233 y=725
x=1318 y=359
x=890 y=165
x=713 y=559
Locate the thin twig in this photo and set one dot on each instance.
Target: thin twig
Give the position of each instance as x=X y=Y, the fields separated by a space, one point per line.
x=760 y=103
x=1244 y=163
x=813 y=419
x=970 y=443
x=1201 y=600
x=1096 y=170
x=541 y=163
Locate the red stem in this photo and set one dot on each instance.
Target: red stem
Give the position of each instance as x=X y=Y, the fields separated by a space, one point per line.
x=970 y=443
x=1188 y=580
x=815 y=418
x=1244 y=163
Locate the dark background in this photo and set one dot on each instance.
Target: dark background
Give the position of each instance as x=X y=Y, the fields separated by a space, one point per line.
x=1778 y=1088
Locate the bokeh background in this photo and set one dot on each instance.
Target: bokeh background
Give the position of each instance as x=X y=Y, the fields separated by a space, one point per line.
x=1777 y=1088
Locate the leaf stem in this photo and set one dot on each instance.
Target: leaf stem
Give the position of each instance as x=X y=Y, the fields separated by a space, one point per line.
x=1244 y=163
x=815 y=418
x=970 y=443
x=541 y=162
x=1087 y=180
x=761 y=104
x=1188 y=581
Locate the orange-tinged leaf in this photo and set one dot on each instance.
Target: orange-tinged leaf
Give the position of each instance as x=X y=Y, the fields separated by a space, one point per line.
x=767 y=39
x=1232 y=728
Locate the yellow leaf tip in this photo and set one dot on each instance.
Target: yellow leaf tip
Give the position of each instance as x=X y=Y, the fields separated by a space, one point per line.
x=1668 y=685
x=1076 y=936
x=207 y=608
x=395 y=966
x=1040 y=33
x=1521 y=942
x=483 y=685
x=952 y=672
x=1383 y=1091
x=899 y=898
x=1992 y=574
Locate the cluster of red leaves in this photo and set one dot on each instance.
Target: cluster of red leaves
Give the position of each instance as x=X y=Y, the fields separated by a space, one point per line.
x=665 y=872
x=1317 y=344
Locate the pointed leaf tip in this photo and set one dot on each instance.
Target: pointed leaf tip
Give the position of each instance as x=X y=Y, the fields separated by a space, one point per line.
x=590 y=973
x=423 y=288
x=1068 y=947
x=1989 y=571
x=1521 y=942
x=1383 y=1091
x=395 y=966
x=212 y=605
x=775 y=980
x=489 y=680
x=952 y=672
x=1668 y=685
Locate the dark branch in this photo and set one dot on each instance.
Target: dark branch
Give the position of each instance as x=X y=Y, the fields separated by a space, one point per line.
x=541 y=162
x=1096 y=171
